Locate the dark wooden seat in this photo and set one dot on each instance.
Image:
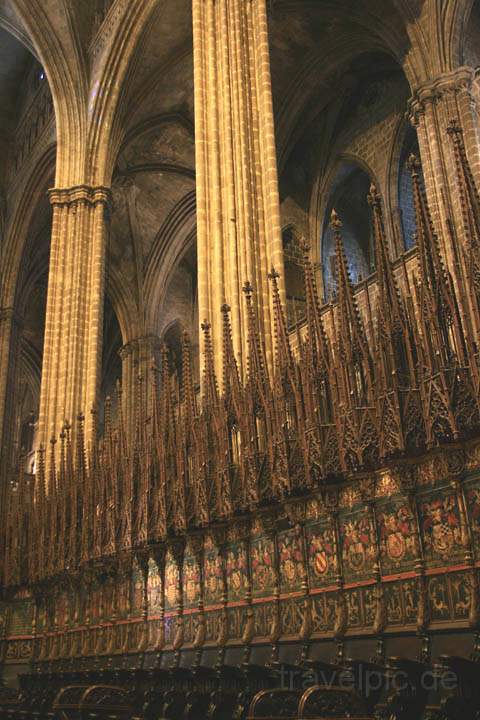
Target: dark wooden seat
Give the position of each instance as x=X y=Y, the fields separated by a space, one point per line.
x=102 y=702
x=227 y=704
x=461 y=688
x=407 y=694
x=368 y=680
x=320 y=703
x=275 y=704
x=323 y=673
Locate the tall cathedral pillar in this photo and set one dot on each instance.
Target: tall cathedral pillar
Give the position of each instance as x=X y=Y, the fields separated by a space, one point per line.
x=74 y=317
x=10 y=338
x=238 y=215
x=449 y=97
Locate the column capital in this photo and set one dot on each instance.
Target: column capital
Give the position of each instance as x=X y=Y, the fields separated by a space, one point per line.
x=433 y=90
x=145 y=343
x=88 y=194
x=9 y=314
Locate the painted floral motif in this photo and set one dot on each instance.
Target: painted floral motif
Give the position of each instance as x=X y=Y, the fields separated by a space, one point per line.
x=473 y=502
x=461 y=595
x=397 y=537
x=96 y=609
x=321 y=555
x=21 y=618
x=323 y=611
x=393 y=598
x=154 y=588
x=370 y=604
x=237 y=572
x=291 y=613
x=290 y=559
x=171 y=582
x=191 y=582
x=137 y=589
x=123 y=596
x=387 y=486
x=263 y=566
x=3 y=618
x=62 y=610
x=438 y=597
x=358 y=545
x=213 y=577
x=354 y=608
x=441 y=528
x=410 y=600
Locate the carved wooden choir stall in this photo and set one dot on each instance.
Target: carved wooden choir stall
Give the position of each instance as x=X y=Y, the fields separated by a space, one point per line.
x=302 y=545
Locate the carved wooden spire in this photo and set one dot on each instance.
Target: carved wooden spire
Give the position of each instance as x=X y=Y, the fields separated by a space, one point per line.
x=352 y=333
x=352 y=341
x=470 y=199
x=157 y=463
x=256 y=364
x=430 y=258
x=62 y=500
x=320 y=352
x=470 y=252
x=319 y=382
x=283 y=352
x=189 y=399
x=231 y=378
x=359 y=434
x=40 y=510
x=448 y=397
x=399 y=412
x=210 y=380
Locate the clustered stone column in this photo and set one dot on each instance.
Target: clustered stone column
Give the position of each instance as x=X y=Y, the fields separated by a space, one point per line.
x=10 y=338
x=435 y=104
x=74 y=317
x=238 y=216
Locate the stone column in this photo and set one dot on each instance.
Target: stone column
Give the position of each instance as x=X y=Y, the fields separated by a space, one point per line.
x=450 y=96
x=138 y=357
x=10 y=338
x=238 y=215
x=74 y=317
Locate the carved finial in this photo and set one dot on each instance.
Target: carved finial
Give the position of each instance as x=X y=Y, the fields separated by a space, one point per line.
x=305 y=247
x=41 y=468
x=211 y=388
x=52 y=480
x=187 y=376
x=373 y=196
x=256 y=365
x=81 y=441
x=454 y=128
x=335 y=222
x=248 y=289
x=413 y=164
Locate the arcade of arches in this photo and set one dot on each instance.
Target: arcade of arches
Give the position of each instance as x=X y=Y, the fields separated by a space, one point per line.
x=239 y=357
